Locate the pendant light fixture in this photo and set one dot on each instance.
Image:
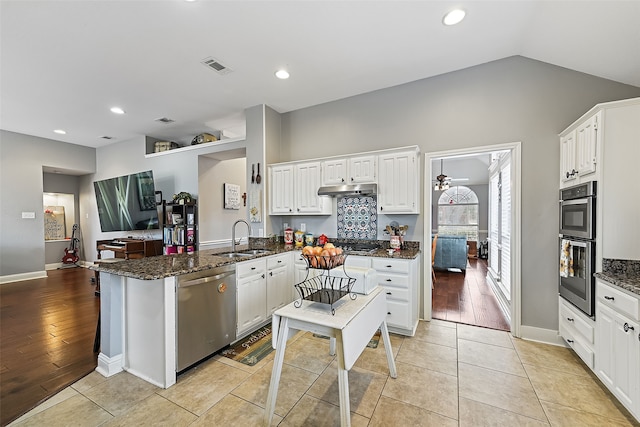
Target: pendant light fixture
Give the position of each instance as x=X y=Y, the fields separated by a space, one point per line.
x=442 y=180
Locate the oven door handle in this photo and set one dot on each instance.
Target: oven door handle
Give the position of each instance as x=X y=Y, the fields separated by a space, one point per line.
x=578 y=243
x=575 y=202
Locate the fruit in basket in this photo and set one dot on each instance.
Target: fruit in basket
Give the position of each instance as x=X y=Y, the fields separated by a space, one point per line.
x=329 y=245
x=307 y=250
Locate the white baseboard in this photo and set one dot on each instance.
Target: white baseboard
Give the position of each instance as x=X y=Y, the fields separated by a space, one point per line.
x=547 y=336
x=23 y=276
x=108 y=366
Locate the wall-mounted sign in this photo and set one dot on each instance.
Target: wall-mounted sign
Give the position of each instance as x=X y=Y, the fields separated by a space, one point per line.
x=231 y=196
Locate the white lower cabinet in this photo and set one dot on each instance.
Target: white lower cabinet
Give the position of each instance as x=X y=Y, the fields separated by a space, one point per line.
x=618 y=344
x=399 y=278
x=279 y=281
x=252 y=294
x=578 y=330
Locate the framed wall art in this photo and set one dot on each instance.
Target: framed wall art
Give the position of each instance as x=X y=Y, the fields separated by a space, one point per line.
x=231 y=196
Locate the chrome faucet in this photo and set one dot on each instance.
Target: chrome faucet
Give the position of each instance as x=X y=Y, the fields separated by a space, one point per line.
x=233 y=233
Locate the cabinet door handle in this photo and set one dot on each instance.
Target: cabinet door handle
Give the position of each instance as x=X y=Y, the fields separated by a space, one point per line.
x=271 y=273
x=380 y=207
x=388 y=312
x=628 y=327
x=570 y=341
x=342 y=179
x=568 y=175
x=263 y=275
x=569 y=319
x=279 y=261
x=609 y=298
x=253 y=268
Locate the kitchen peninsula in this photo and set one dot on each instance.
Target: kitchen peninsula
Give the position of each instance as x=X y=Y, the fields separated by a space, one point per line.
x=138 y=303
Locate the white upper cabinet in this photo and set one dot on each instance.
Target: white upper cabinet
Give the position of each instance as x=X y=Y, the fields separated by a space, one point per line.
x=353 y=170
x=587 y=145
x=579 y=151
x=362 y=169
x=281 y=190
x=334 y=172
x=398 y=183
x=293 y=190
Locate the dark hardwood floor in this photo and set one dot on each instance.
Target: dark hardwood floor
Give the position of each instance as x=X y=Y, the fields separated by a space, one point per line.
x=467 y=298
x=47 y=329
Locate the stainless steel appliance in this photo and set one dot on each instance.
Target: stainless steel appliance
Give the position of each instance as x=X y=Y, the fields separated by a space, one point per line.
x=206 y=314
x=577 y=284
x=578 y=211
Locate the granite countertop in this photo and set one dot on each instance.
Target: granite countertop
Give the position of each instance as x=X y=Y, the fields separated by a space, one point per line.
x=159 y=267
x=622 y=273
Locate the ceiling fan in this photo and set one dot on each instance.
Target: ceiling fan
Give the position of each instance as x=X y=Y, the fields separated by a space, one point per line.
x=443 y=181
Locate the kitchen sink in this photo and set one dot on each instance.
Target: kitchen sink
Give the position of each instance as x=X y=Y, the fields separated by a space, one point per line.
x=234 y=255
x=255 y=252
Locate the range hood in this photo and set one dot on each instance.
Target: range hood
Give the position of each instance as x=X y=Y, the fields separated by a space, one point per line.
x=349 y=190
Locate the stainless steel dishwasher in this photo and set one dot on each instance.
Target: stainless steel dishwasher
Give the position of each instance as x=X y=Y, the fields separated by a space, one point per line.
x=206 y=314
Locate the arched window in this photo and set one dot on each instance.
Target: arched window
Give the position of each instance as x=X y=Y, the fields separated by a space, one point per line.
x=458 y=213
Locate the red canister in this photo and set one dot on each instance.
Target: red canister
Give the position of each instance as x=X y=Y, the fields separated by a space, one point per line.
x=288 y=236
x=322 y=240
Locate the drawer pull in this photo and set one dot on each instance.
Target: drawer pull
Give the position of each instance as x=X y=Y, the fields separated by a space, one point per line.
x=389 y=266
x=388 y=280
x=388 y=293
x=570 y=341
x=570 y=319
x=609 y=298
x=628 y=327
x=253 y=268
x=388 y=312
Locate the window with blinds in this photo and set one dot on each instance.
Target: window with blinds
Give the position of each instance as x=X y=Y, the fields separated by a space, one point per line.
x=458 y=213
x=499 y=262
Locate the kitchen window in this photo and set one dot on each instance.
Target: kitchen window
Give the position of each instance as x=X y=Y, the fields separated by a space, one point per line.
x=458 y=213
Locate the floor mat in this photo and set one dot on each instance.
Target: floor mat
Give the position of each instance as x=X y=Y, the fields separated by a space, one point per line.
x=252 y=348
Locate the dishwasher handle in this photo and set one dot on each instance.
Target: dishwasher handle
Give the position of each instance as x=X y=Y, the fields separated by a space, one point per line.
x=206 y=279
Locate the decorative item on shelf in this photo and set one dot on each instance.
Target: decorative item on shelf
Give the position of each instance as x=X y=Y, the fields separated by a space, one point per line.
x=202 y=138
x=161 y=146
x=182 y=197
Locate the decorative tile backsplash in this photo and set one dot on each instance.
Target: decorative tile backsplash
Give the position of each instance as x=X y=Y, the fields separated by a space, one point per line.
x=358 y=217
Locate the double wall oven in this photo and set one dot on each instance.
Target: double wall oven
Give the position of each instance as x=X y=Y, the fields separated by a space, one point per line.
x=577 y=246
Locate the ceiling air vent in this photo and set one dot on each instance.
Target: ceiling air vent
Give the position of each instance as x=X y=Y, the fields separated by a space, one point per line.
x=165 y=120
x=216 y=66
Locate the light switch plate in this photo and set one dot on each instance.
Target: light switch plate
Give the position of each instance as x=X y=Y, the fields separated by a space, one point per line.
x=28 y=215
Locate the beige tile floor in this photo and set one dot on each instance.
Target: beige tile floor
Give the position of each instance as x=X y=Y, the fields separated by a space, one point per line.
x=448 y=375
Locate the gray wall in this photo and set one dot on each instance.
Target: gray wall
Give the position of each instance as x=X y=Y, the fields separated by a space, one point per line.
x=21 y=185
x=514 y=99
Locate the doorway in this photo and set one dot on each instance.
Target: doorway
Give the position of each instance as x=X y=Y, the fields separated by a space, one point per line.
x=433 y=167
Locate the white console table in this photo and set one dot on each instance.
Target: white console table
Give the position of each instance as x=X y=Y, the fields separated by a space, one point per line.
x=350 y=329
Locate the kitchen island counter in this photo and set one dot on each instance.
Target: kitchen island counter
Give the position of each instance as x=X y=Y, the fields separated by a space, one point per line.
x=160 y=267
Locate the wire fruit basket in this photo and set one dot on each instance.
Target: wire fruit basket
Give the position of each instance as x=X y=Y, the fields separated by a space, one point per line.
x=324 y=288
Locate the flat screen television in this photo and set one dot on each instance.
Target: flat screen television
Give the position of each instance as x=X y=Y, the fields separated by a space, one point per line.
x=127 y=202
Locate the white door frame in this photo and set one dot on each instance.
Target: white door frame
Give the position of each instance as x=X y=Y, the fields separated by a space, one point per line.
x=516 y=223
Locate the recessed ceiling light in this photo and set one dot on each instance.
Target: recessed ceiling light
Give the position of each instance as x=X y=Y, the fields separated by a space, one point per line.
x=282 y=74
x=453 y=17
x=117 y=110
x=60 y=131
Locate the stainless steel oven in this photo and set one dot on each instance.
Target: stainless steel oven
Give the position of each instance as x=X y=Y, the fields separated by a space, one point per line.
x=578 y=211
x=577 y=262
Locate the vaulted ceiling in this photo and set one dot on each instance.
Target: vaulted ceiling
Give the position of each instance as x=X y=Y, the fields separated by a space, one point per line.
x=64 y=64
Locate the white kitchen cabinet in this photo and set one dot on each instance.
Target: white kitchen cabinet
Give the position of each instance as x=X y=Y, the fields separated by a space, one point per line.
x=398 y=183
x=293 y=190
x=578 y=330
x=334 y=172
x=252 y=294
x=362 y=169
x=580 y=148
x=399 y=277
x=301 y=272
x=279 y=281
x=281 y=195
x=618 y=344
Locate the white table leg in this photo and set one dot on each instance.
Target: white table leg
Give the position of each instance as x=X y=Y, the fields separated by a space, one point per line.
x=387 y=346
x=277 y=370
x=343 y=384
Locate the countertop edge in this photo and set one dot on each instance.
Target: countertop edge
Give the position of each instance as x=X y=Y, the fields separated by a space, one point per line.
x=631 y=284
